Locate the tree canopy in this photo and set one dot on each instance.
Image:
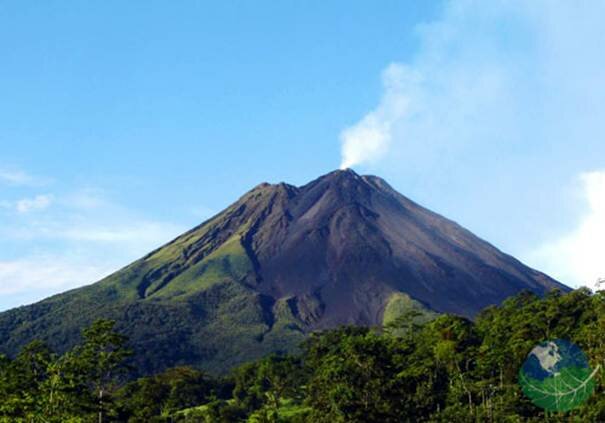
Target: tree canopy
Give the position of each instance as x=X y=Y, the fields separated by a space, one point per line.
x=448 y=369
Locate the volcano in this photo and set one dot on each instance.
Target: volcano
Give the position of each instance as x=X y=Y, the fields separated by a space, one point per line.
x=279 y=263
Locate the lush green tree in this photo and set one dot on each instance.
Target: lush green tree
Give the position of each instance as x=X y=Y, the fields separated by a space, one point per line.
x=262 y=386
x=30 y=369
x=141 y=400
x=165 y=394
x=63 y=394
x=246 y=391
x=95 y=368
x=352 y=378
x=100 y=360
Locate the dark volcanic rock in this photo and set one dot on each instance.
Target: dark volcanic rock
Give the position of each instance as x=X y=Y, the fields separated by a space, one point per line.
x=352 y=240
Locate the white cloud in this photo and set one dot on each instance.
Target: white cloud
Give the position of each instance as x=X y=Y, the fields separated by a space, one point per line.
x=82 y=238
x=202 y=212
x=17 y=177
x=123 y=230
x=71 y=251
x=32 y=278
x=26 y=205
x=47 y=273
x=86 y=199
x=578 y=257
x=136 y=236
x=39 y=202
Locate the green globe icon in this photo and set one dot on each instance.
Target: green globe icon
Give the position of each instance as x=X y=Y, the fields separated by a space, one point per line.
x=556 y=376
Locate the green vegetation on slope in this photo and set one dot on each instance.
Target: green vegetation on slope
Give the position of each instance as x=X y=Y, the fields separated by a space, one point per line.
x=228 y=262
x=205 y=316
x=448 y=369
x=402 y=312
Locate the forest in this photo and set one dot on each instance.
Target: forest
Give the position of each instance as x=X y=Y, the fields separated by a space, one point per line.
x=449 y=369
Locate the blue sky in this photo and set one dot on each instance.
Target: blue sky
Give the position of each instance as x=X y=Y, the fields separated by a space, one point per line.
x=126 y=123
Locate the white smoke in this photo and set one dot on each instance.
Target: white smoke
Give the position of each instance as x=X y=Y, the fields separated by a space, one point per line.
x=370 y=138
x=501 y=103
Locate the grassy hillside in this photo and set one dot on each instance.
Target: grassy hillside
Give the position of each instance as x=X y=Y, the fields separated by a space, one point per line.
x=206 y=316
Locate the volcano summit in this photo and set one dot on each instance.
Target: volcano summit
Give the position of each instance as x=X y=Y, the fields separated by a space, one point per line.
x=279 y=263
